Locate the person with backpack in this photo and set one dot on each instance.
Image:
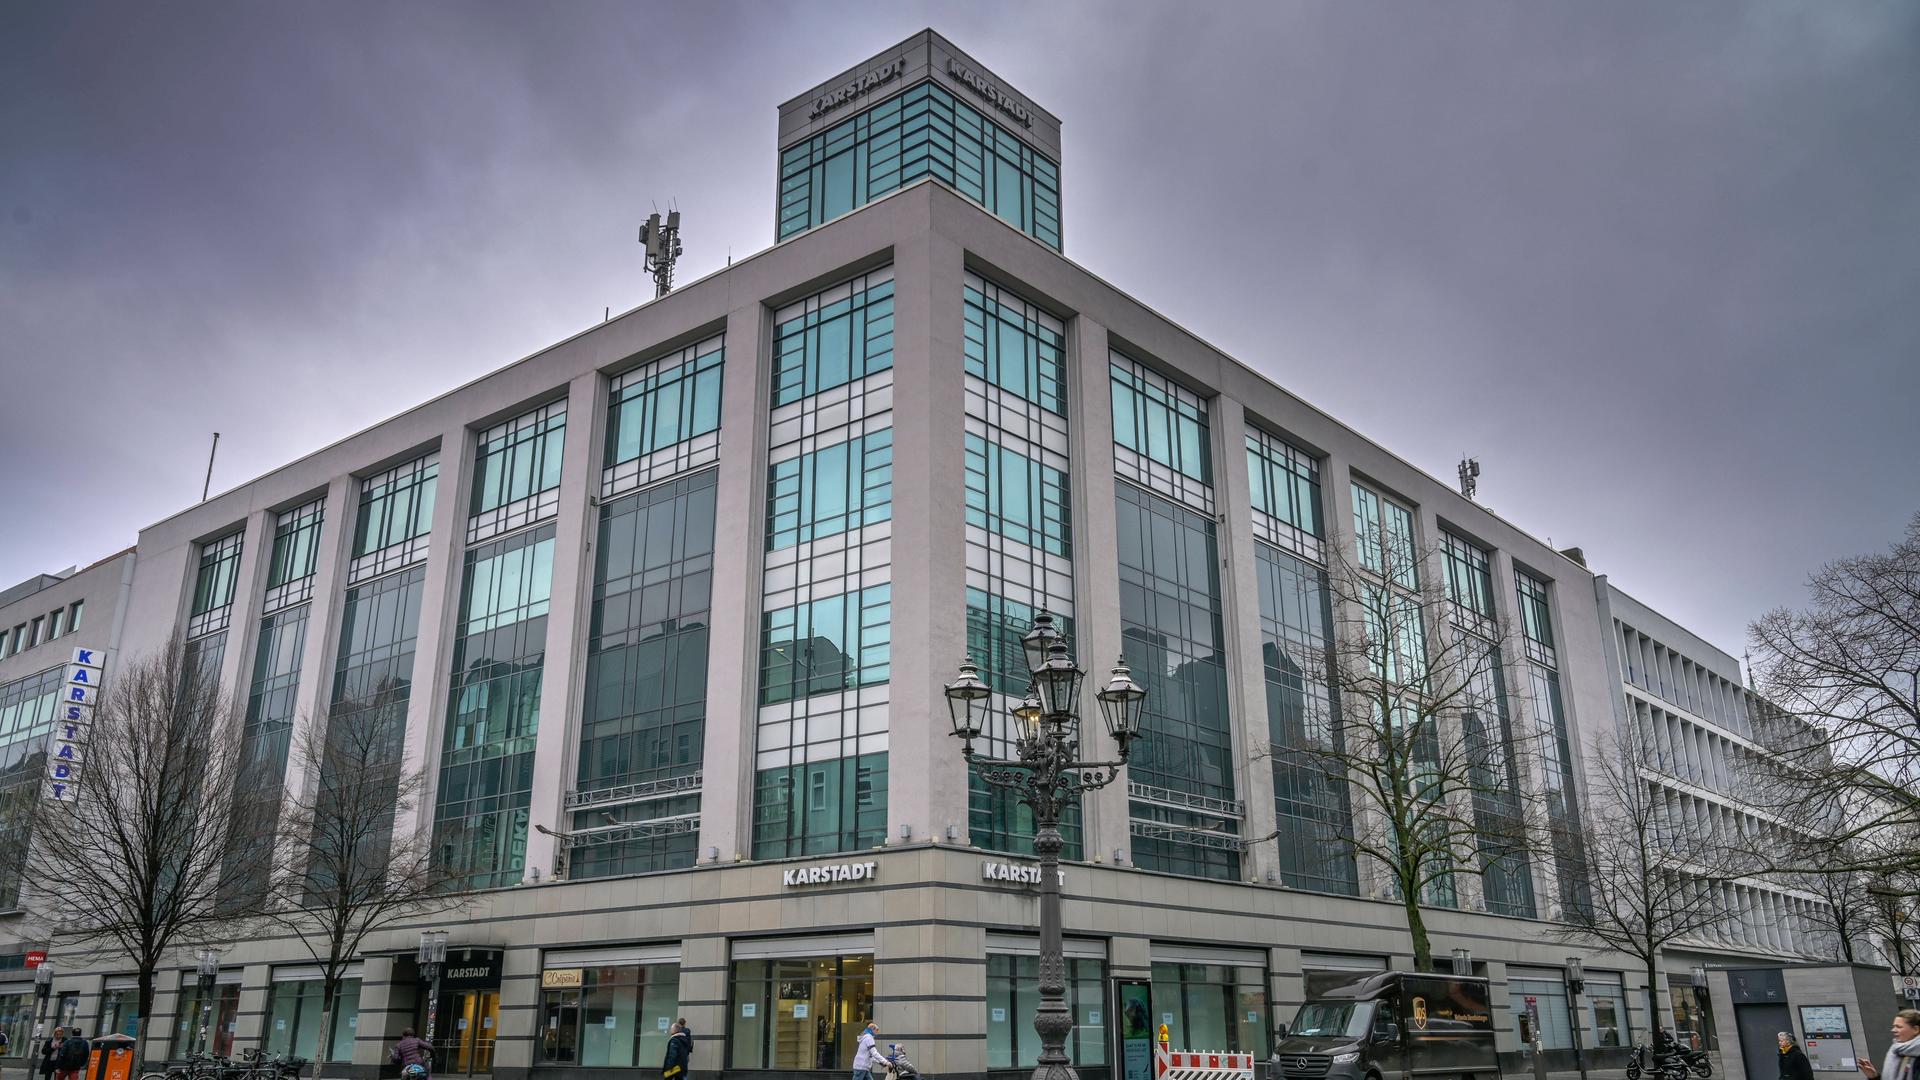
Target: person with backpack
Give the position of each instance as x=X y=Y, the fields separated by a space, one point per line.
x=412 y=1050
x=71 y=1063
x=679 y=1057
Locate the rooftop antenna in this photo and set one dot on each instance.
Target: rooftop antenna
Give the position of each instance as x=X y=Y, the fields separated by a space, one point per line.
x=1469 y=476
x=662 y=242
x=208 y=486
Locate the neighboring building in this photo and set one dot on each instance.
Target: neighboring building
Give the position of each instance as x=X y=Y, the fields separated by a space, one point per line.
x=672 y=639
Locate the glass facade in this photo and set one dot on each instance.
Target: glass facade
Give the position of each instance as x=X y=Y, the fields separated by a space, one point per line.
x=833 y=338
x=1013 y=996
x=925 y=131
x=644 y=716
x=1556 y=766
x=820 y=772
x=796 y=1013
x=663 y=417
x=1186 y=815
x=1383 y=535
x=395 y=518
x=218 y=1012
x=516 y=474
x=372 y=682
x=1312 y=801
x=293 y=1019
x=493 y=710
x=27 y=709
x=1160 y=434
x=616 y=1019
x=1212 y=1006
x=1019 y=536
x=1285 y=484
x=296 y=554
x=213 y=586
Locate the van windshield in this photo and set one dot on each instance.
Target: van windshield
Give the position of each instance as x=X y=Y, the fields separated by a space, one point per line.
x=1333 y=1019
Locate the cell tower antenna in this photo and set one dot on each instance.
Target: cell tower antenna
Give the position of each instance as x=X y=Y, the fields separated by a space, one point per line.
x=662 y=241
x=1469 y=476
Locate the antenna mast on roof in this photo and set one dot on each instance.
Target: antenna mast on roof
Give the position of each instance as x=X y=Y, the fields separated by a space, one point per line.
x=663 y=247
x=1469 y=476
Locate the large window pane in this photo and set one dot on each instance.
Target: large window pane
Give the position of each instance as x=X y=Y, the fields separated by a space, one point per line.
x=798 y=1013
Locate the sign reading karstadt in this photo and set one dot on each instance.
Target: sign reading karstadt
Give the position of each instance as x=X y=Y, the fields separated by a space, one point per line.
x=979 y=85
x=1015 y=873
x=833 y=99
x=831 y=874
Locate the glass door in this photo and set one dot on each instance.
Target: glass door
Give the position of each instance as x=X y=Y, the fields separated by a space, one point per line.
x=465 y=1032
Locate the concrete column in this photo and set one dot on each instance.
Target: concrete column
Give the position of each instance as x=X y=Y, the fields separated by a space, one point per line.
x=1286 y=984
x=733 y=637
x=927 y=779
x=386 y=1008
x=1096 y=567
x=517 y=1031
x=569 y=612
x=250 y=1022
x=1240 y=620
x=703 y=999
x=439 y=611
x=167 y=1001
x=930 y=993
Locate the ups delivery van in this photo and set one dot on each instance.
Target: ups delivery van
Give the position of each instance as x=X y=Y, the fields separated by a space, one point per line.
x=1396 y=1025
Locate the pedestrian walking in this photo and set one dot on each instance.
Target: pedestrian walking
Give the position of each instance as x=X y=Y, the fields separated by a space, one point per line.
x=71 y=1061
x=1901 y=1055
x=49 y=1052
x=1793 y=1060
x=865 y=1056
x=679 y=1058
x=412 y=1050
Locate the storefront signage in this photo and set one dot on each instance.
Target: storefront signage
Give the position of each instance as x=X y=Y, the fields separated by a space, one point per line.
x=833 y=874
x=35 y=958
x=561 y=978
x=989 y=92
x=879 y=76
x=473 y=969
x=1015 y=873
x=70 y=727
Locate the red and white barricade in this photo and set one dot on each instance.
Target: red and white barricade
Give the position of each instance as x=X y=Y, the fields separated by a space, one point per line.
x=1169 y=1064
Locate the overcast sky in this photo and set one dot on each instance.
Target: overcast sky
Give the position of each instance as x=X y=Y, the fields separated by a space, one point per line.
x=1657 y=266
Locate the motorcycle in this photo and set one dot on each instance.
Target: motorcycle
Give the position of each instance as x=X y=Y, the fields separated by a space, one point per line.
x=1669 y=1062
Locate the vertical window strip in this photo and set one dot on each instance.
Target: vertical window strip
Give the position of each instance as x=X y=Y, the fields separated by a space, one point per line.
x=835 y=337
x=214 y=585
x=516 y=476
x=27 y=710
x=664 y=418
x=1383 y=533
x=833 y=490
x=1160 y=433
x=296 y=555
x=1536 y=619
x=395 y=518
x=1469 y=571
x=1014 y=345
x=1285 y=482
x=493 y=710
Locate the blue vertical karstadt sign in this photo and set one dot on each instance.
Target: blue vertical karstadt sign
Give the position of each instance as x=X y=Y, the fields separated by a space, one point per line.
x=71 y=723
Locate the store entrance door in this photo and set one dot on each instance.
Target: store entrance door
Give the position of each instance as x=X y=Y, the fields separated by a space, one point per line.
x=464 y=1033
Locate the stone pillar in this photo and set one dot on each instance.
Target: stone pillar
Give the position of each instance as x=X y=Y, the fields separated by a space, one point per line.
x=167 y=1002
x=517 y=1031
x=733 y=636
x=250 y=1022
x=927 y=779
x=1246 y=665
x=703 y=998
x=569 y=612
x=386 y=1008
x=1096 y=569
x=930 y=992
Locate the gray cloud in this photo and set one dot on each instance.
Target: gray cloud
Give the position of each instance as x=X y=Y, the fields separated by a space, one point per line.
x=1655 y=266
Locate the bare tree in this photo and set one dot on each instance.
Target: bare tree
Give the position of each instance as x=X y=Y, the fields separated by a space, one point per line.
x=340 y=870
x=1417 y=729
x=150 y=822
x=1845 y=912
x=1842 y=682
x=1892 y=916
x=1656 y=877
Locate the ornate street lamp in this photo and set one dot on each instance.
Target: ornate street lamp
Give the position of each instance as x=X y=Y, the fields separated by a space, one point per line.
x=432 y=956
x=1046 y=772
x=207 y=973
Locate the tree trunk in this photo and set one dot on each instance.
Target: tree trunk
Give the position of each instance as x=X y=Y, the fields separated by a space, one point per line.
x=1653 y=995
x=143 y=1002
x=328 y=994
x=1417 y=929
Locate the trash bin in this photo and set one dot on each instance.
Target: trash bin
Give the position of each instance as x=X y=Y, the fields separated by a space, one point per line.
x=112 y=1058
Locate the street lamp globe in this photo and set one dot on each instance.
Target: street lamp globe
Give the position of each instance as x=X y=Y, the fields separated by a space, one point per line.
x=1038 y=640
x=1028 y=714
x=967 y=701
x=1058 y=681
x=1122 y=704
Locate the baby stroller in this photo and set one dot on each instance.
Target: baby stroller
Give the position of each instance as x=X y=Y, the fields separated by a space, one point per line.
x=898 y=1065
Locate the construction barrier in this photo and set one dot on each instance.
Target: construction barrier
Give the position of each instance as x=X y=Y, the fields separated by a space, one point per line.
x=1170 y=1064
